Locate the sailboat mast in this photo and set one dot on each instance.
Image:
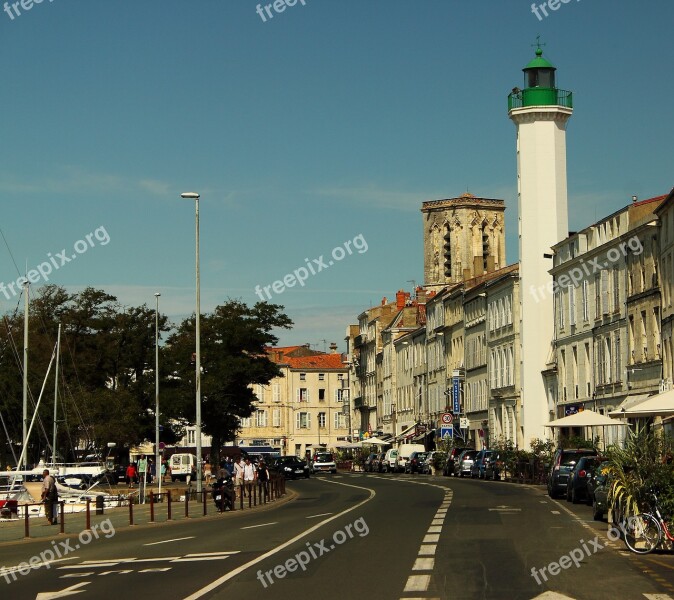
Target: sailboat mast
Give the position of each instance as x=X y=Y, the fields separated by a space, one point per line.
x=56 y=393
x=24 y=421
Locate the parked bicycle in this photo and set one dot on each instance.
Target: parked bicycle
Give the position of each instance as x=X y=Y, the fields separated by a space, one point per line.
x=644 y=532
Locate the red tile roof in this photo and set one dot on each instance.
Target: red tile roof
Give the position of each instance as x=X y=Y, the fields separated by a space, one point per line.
x=311 y=359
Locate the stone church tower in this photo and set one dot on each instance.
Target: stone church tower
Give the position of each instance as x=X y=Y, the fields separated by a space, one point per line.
x=463 y=238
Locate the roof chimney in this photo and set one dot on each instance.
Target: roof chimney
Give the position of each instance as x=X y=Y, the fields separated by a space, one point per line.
x=333 y=348
x=400 y=299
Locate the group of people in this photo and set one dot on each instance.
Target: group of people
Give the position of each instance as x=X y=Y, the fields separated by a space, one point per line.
x=245 y=474
x=145 y=469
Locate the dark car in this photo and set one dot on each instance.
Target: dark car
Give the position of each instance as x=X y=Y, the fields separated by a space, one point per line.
x=576 y=488
x=416 y=462
x=562 y=465
x=494 y=467
x=454 y=453
x=480 y=463
x=597 y=492
x=368 y=464
x=378 y=463
x=292 y=467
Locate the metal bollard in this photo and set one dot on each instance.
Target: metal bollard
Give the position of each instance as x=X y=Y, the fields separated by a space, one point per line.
x=26 y=524
x=187 y=503
x=62 y=516
x=151 y=506
x=203 y=500
x=168 y=506
x=88 y=513
x=130 y=510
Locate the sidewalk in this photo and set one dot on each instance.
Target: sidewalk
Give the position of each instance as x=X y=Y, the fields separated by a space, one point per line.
x=13 y=531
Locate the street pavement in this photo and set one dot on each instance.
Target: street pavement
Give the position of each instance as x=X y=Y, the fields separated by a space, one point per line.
x=356 y=536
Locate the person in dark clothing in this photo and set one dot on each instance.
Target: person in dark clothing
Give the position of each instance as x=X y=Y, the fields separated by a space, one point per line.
x=263 y=477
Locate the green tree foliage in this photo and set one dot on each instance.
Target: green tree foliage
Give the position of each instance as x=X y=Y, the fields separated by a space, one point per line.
x=234 y=339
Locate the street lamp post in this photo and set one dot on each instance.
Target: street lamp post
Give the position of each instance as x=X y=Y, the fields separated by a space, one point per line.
x=194 y=196
x=157 y=463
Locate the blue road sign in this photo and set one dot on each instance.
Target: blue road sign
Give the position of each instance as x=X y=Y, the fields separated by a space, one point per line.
x=446 y=432
x=456 y=392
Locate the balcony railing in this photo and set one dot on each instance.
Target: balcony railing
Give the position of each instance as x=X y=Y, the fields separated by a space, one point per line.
x=540 y=97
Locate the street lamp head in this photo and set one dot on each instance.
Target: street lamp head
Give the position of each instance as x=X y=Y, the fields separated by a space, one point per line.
x=157 y=294
x=190 y=195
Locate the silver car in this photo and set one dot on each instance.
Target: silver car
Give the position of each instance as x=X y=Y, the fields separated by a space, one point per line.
x=463 y=464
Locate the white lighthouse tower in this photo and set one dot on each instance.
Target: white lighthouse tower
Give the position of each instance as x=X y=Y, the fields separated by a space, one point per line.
x=540 y=112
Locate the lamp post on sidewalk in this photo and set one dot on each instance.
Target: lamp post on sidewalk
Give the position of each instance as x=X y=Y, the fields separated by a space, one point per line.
x=194 y=196
x=157 y=462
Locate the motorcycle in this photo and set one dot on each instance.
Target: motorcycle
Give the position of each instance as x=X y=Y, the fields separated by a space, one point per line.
x=223 y=493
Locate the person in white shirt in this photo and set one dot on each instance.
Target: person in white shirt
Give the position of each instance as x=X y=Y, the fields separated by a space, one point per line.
x=238 y=474
x=249 y=475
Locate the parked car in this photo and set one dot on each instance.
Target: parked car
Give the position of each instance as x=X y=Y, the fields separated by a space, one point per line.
x=389 y=462
x=597 y=492
x=576 y=488
x=292 y=467
x=479 y=463
x=378 y=465
x=415 y=462
x=367 y=465
x=463 y=464
x=433 y=457
x=494 y=467
x=454 y=453
x=404 y=453
x=562 y=465
x=324 y=462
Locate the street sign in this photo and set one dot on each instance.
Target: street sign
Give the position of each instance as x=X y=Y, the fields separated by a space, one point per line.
x=456 y=391
x=446 y=432
x=464 y=423
x=447 y=418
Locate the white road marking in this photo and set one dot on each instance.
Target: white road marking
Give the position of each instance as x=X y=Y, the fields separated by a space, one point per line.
x=260 y=525
x=555 y=512
x=73 y=575
x=212 y=553
x=435 y=529
x=658 y=597
x=424 y=564
x=200 y=558
x=167 y=541
x=437 y=521
x=218 y=582
x=417 y=583
x=67 y=592
x=162 y=570
x=140 y=560
x=427 y=550
x=321 y=515
x=431 y=538
x=118 y=571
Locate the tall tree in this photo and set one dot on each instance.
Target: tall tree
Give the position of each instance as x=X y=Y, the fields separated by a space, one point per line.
x=234 y=339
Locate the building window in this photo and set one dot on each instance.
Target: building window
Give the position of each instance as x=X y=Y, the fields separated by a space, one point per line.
x=586 y=313
x=340 y=376
x=321 y=420
x=191 y=436
x=303 y=394
x=303 y=420
x=321 y=394
x=303 y=376
x=618 y=361
x=597 y=297
x=276 y=392
x=276 y=417
x=339 y=420
x=616 y=289
x=245 y=422
x=261 y=418
x=321 y=377
x=340 y=395
x=572 y=305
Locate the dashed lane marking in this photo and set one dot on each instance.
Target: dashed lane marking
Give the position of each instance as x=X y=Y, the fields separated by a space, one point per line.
x=417 y=583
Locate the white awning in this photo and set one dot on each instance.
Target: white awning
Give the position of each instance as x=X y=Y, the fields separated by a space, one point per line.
x=586 y=418
x=660 y=405
x=628 y=403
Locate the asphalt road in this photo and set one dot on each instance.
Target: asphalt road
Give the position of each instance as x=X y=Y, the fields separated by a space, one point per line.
x=356 y=536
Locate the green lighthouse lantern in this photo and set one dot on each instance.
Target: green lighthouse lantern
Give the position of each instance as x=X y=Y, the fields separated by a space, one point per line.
x=539 y=86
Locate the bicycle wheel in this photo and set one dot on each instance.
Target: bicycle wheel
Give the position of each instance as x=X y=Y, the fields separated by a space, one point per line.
x=642 y=533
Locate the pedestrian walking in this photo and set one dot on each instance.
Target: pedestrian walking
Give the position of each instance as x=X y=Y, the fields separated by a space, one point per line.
x=262 y=475
x=238 y=472
x=50 y=497
x=131 y=474
x=249 y=475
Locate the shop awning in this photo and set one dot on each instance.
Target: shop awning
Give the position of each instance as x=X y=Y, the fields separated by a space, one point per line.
x=660 y=405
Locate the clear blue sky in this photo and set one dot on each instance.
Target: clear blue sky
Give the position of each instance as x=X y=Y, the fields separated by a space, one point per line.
x=330 y=120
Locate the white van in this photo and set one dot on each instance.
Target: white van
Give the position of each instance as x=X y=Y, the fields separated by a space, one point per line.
x=404 y=452
x=183 y=465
